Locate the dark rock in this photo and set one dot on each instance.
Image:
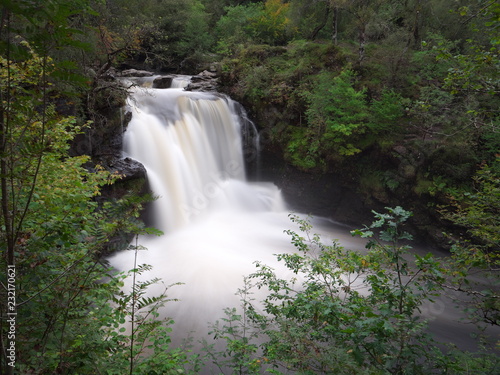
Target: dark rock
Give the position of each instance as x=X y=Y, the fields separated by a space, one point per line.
x=136 y=73
x=133 y=182
x=164 y=82
x=321 y=195
x=127 y=168
x=205 y=81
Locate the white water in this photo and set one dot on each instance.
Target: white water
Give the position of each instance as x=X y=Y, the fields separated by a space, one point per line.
x=216 y=224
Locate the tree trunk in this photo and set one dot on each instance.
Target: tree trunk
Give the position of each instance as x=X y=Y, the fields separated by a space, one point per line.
x=362 y=42
x=320 y=26
x=7 y=221
x=335 y=25
x=416 y=26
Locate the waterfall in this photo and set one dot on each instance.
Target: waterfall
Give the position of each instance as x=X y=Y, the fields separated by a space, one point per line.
x=190 y=144
x=216 y=224
x=179 y=82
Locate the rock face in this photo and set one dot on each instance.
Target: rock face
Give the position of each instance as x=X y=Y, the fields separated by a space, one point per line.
x=205 y=81
x=133 y=182
x=102 y=141
x=108 y=151
x=322 y=195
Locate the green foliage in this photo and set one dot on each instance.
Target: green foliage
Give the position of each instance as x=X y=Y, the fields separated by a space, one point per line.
x=252 y=23
x=435 y=113
x=475 y=71
x=337 y=116
x=235 y=333
x=337 y=111
x=47 y=28
x=340 y=311
x=161 y=34
x=54 y=231
x=232 y=29
x=282 y=74
x=271 y=25
x=308 y=18
x=478 y=253
x=132 y=331
x=52 y=30
x=403 y=95
x=345 y=312
x=196 y=35
x=94 y=333
x=303 y=150
x=386 y=112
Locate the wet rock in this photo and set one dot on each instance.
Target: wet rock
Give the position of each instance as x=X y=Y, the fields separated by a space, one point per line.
x=133 y=182
x=164 y=82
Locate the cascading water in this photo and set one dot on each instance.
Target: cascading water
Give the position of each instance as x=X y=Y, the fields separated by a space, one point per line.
x=216 y=224
x=190 y=144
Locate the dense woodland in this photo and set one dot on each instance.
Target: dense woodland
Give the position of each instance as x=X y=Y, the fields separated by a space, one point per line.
x=398 y=98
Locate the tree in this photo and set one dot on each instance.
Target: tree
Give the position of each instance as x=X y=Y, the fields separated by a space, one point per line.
x=46 y=203
x=253 y=23
x=196 y=39
x=476 y=69
x=55 y=309
x=474 y=75
x=24 y=102
x=234 y=28
x=338 y=115
x=271 y=26
x=120 y=30
x=68 y=318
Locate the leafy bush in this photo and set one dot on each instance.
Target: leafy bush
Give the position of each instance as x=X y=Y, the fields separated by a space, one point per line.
x=342 y=312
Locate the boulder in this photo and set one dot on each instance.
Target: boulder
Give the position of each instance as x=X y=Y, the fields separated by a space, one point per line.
x=205 y=81
x=164 y=82
x=127 y=168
